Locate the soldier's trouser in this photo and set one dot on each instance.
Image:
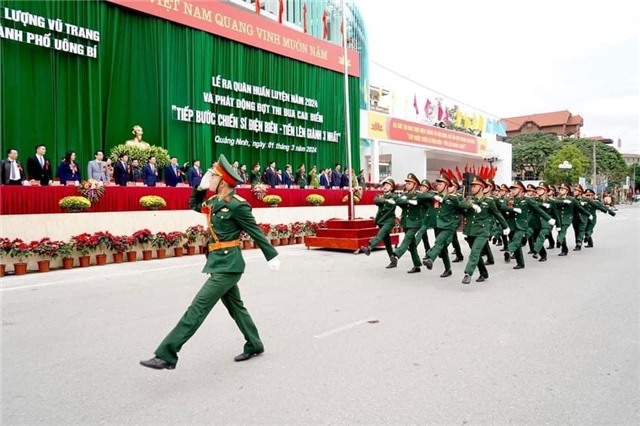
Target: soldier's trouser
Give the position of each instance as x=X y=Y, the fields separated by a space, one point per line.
x=562 y=233
x=515 y=246
x=540 y=236
x=383 y=235
x=439 y=247
x=456 y=245
x=218 y=286
x=422 y=235
x=552 y=243
x=486 y=251
x=588 y=231
x=477 y=245
x=579 y=228
x=409 y=243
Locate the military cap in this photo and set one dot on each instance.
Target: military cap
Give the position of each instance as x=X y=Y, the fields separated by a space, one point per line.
x=565 y=186
x=426 y=183
x=579 y=188
x=390 y=182
x=519 y=185
x=225 y=170
x=477 y=180
x=504 y=187
x=412 y=178
x=553 y=188
x=589 y=191
x=454 y=182
x=444 y=179
x=543 y=185
x=530 y=187
x=490 y=183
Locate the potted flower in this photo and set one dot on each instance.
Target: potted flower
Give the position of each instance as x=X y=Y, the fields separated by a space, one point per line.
x=175 y=240
x=103 y=243
x=297 y=231
x=91 y=189
x=144 y=238
x=20 y=251
x=74 y=203
x=259 y=190
x=65 y=252
x=284 y=232
x=192 y=235
x=46 y=249
x=310 y=228
x=160 y=241
x=315 y=199
x=273 y=235
x=247 y=241
x=5 y=248
x=118 y=246
x=272 y=200
x=152 y=202
x=84 y=244
x=132 y=254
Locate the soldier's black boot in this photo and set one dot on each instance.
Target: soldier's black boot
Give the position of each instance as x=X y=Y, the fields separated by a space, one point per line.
x=458 y=259
x=565 y=249
x=393 y=262
x=589 y=242
x=578 y=247
x=466 y=279
x=505 y=243
x=428 y=263
x=366 y=250
x=507 y=256
x=413 y=270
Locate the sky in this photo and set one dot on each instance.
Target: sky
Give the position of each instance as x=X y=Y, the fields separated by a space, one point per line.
x=511 y=58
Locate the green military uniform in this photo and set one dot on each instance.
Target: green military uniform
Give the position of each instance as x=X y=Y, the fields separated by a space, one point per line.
x=481 y=213
x=225 y=265
x=543 y=228
x=428 y=218
x=567 y=208
x=411 y=220
x=385 y=219
x=592 y=207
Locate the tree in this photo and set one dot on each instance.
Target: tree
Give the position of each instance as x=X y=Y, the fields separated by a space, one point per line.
x=531 y=153
x=634 y=170
x=610 y=166
x=579 y=162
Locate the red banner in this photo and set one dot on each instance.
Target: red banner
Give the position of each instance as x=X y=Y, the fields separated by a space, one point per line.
x=421 y=134
x=233 y=22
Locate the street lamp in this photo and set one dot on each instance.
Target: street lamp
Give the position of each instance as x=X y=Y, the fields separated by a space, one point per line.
x=566 y=166
x=491 y=158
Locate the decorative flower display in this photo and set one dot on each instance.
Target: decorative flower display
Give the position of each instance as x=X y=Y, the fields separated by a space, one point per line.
x=175 y=238
x=91 y=189
x=85 y=243
x=196 y=234
x=104 y=240
x=283 y=230
x=314 y=199
x=297 y=229
x=21 y=250
x=160 y=240
x=272 y=200
x=144 y=237
x=259 y=190
x=74 y=203
x=152 y=202
x=120 y=243
x=265 y=228
x=46 y=248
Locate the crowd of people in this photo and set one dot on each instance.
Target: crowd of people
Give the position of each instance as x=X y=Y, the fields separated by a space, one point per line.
x=125 y=170
x=507 y=216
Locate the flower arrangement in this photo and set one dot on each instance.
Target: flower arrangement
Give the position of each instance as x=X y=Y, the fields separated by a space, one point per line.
x=141 y=154
x=297 y=229
x=265 y=228
x=315 y=199
x=152 y=202
x=103 y=241
x=259 y=190
x=310 y=228
x=175 y=238
x=160 y=240
x=195 y=234
x=273 y=232
x=244 y=236
x=272 y=200
x=85 y=243
x=144 y=237
x=357 y=195
x=91 y=189
x=66 y=249
x=47 y=248
x=21 y=250
x=5 y=247
x=120 y=243
x=283 y=230
x=74 y=203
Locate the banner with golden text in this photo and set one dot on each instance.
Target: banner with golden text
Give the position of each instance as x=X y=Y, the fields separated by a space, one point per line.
x=228 y=21
x=384 y=127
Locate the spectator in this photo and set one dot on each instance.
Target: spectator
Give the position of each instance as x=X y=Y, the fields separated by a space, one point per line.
x=278 y=177
x=96 y=168
x=243 y=173
x=361 y=180
x=301 y=176
x=68 y=171
x=287 y=178
x=255 y=177
x=336 y=177
x=135 y=173
x=121 y=170
x=150 y=172
x=194 y=174
x=11 y=171
x=324 y=179
x=344 y=179
x=269 y=176
x=172 y=173
x=313 y=177
x=39 y=167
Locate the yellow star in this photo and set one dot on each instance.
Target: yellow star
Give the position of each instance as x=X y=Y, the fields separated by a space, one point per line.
x=341 y=61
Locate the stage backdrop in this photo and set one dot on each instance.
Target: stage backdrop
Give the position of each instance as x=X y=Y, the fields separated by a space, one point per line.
x=77 y=75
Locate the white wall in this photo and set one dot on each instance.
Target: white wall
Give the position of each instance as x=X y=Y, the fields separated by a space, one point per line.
x=405 y=160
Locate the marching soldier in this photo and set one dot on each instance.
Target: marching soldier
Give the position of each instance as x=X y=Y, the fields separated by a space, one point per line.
x=385 y=220
x=542 y=228
x=508 y=216
x=428 y=216
x=551 y=193
x=227 y=215
x=411 y=220
x=565 y=206
x=455 y=243
x=496 y=229
x=593 y=206
x=481 y=213
x=581 y=218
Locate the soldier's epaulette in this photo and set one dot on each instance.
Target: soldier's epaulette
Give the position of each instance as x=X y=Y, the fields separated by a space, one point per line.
x=239 y=198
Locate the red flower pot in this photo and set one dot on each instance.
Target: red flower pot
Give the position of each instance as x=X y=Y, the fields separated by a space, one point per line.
x=117 y=257
x=284 y=241
x=84 y=261
x=67 y=262
x=178 y=251
x=3 y=269
x=275 y=242
x=246 y=245
x=101 y=259
x=20 y=268
x=191 y=250
x=299 y=240
x=147 y=254
x=132 y=256
x=161 y=253
x=44 y=265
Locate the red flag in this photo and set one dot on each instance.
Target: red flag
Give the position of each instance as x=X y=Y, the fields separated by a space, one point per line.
x=325 y=24
x=280 y=11
x=446 y=114
x=440 y=112
x=304 y=17
x=342 y=30
x=415 y=104
x=258 y=6
x=427 y=107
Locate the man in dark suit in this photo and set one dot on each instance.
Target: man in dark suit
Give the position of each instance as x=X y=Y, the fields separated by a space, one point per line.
x=150 y=172
x=324 y=180
x=336 y=176
x=39 y=167
x=11 y=171
x=286 y=176
x=121 y=170
x=172 y=173
x=270 y=175
x=194 y=174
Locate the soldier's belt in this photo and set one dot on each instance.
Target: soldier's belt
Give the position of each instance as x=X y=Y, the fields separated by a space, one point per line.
x=223 y=245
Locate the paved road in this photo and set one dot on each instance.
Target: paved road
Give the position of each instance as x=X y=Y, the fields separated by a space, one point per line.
x=347 y=342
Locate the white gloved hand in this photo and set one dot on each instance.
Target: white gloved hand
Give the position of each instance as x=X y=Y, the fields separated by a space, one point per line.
x=413 y=202
x=584 y=203
x=546 y=205
x=517 y=210
x=274 y=264
x=590 y=217
x=205 y=182
x=567 y=201
x=391 y=201
x=438 y=198
x=506 y=231
x=552 y=222
x=476 y=208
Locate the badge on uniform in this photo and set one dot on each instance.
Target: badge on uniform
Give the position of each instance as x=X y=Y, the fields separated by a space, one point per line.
x=224 y=209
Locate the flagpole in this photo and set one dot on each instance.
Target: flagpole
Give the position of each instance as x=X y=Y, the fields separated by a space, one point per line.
x=351 y=214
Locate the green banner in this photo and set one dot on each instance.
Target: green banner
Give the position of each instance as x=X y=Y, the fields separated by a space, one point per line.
x=78 y=75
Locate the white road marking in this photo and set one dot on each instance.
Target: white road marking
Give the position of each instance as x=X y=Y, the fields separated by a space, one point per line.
x=343 y=328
